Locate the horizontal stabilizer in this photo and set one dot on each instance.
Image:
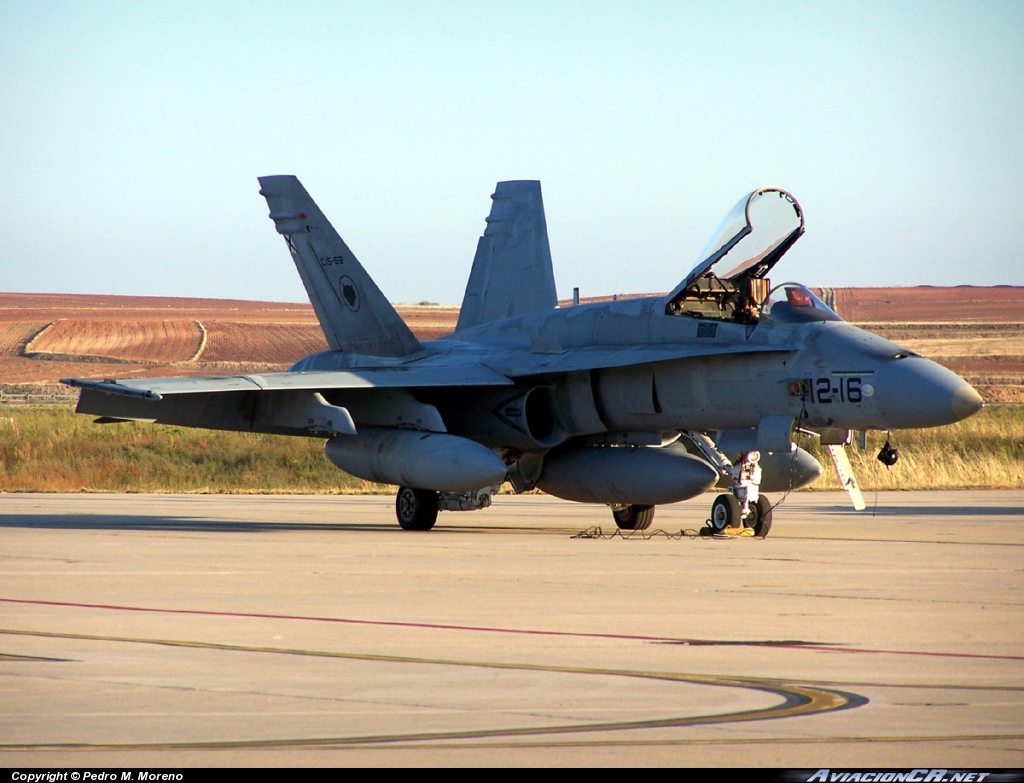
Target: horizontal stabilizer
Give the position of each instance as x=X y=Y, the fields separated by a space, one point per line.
x=512 y=272
x=354 y=315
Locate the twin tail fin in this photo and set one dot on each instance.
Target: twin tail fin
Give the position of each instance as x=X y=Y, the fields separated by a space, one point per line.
x=354 y=315
x=512 y=272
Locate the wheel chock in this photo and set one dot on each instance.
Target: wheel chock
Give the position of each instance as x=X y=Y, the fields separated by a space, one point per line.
x=729 y=532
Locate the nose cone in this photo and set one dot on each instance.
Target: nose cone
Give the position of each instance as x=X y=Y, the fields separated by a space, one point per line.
x=915 y=392
x=966 y=401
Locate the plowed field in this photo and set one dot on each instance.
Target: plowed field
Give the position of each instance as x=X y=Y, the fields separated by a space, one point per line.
x=965 y=303
x=261 y=342
x=172 y=340
x=51 y=307
x=14 y=335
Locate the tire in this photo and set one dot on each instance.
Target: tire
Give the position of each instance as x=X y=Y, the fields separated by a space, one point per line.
x=634 y=517
x=416 y=509
x=762 y=516
x=725 y=512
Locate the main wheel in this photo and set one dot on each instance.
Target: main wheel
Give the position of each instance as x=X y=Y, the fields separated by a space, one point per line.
x=416 y=508
x=634 y=517
x=725 y=512
x=762 y=516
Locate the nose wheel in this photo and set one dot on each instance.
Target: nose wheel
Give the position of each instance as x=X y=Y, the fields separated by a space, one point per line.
x=762 y=513
x=725 y=512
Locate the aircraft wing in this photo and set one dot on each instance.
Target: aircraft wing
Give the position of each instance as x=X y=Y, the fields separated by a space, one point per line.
x=520 y=364
x=330 y=402
x=357 y=378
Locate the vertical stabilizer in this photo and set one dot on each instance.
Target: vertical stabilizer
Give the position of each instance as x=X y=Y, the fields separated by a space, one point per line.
x=512 y=269
x=354 y=314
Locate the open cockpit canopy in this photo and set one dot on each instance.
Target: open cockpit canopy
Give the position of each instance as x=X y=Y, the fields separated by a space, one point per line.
x=755 y=234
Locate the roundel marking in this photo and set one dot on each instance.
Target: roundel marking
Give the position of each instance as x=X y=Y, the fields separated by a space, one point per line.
x=349 y=293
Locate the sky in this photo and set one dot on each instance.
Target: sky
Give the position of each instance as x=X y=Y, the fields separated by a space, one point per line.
x=132 y=133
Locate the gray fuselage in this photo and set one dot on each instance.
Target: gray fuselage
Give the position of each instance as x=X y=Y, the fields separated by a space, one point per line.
x=728 y=375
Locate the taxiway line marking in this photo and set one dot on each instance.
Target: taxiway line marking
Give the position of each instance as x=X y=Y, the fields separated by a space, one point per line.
x=797 y=699
x=495 y=629
x=343 y=743
x=723 y=741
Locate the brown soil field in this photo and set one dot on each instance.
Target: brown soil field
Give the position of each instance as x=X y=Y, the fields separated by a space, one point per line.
x=153 y=340
x=965 y=303
x=15 y=335
x=51 y=307
x=273 y=343
x=977 y=332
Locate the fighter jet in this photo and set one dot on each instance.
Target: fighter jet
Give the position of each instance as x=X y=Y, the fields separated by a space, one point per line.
x=630 y=404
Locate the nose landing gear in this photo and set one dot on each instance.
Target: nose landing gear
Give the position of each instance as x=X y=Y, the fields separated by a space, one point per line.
x=743 y=507
x=725 y=512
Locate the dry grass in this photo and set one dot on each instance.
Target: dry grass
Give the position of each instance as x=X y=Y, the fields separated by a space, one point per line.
x=985 y=451
x=54 y=450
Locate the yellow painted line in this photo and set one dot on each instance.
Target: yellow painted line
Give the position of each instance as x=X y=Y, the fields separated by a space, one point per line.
x=604 y=743
x=798 y=699
x=348 y=743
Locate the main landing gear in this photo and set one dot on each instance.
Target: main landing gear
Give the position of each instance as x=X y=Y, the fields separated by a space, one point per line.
x=416 y=508
x=633 y=517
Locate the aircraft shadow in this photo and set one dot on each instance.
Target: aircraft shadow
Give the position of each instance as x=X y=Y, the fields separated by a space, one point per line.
x=177 y=524
x=192 y=525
